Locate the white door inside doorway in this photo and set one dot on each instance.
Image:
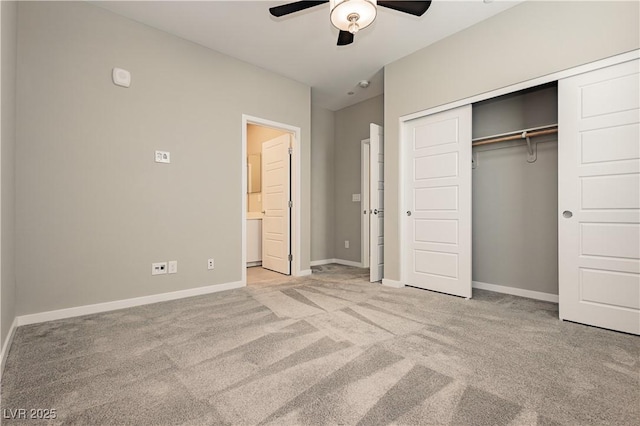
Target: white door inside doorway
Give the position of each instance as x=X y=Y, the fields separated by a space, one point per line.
x=276 y=199
x=437 y=202
x=365 y=205
x=372 y=203
x=376 y=202
x=599 y=198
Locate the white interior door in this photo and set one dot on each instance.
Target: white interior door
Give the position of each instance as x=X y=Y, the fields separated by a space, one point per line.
x=364 y=203
x=376 y=200
x=436 y=246
x=599 y=198
x=276 y=197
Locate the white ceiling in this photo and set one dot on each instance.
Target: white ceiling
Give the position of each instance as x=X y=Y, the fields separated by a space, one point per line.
x=302 y=46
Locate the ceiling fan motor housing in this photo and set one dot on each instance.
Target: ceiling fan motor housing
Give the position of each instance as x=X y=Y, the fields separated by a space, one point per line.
x=352 y=15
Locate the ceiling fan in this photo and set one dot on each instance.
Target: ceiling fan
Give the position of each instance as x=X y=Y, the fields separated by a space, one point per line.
x=350 y=16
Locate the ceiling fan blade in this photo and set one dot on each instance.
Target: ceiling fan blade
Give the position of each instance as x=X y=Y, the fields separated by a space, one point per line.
x=417 y=8
x=344 y=38
x=296 y=6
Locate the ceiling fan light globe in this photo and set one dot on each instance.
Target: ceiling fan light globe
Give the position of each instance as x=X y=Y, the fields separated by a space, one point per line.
x=342 y=9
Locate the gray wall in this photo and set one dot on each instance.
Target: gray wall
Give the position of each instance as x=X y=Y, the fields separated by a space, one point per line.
x=322 y=183
x=527 y=41
x=515 y=203
x=7 y=154
x=93 y=210
x=352 y=126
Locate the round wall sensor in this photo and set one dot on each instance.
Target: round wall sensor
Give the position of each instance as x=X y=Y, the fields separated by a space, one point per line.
x=364 y=84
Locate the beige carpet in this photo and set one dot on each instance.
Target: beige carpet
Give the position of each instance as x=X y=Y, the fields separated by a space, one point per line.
x=327 y=349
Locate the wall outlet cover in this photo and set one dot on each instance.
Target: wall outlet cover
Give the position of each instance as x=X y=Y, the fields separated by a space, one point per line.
x=346 y=243
x=158 y=268
x=210 y=264
x=163 y=157
x=173 y=266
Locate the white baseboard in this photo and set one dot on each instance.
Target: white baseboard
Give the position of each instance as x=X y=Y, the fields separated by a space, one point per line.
x=6 y=346
x=126 y=303
x=538 y=295
x=392 y=283
x=304 y=273
x=347 y=263
x=338 y=261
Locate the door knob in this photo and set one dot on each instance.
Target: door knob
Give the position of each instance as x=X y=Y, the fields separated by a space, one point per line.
x=408 y=212
x=375 y=211
x=567 y=214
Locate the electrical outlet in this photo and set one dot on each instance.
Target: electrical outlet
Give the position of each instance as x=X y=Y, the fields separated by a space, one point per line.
x=163 y=157
x=158 y=268
x=210 y=264
x=346 y=243
x=173 y=266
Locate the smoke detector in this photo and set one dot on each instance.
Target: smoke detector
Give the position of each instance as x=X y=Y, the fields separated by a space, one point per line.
x=364 y=84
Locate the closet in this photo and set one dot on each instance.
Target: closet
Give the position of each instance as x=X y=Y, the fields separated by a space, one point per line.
x=535 y=193
x=515 y=193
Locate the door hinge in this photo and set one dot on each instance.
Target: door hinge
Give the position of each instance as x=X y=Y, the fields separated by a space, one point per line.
x=290 y=258
x=290 y=204
x=290 y=151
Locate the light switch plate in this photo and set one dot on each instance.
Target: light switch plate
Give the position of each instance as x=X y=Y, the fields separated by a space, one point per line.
x=355 y=198
x=173 y=266
x=163 y=157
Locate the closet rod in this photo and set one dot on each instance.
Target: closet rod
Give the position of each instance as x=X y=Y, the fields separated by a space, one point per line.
x=522 y=135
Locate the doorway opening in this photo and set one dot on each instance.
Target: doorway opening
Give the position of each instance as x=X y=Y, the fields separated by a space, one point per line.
x=515 y=193
x=270 y=207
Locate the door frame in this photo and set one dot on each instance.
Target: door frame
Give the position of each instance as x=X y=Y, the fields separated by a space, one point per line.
x=403 y=136
x=296 y=227
x=365 y=221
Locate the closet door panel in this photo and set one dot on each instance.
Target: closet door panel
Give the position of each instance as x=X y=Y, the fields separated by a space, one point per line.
x=622 y=144
x=599 y=198
x=437 y=185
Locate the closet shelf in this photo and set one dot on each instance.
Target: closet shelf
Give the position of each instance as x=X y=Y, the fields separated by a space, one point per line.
x=521 y=134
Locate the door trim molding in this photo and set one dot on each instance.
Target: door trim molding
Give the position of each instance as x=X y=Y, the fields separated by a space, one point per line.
x=296 y=228
x=404 y=119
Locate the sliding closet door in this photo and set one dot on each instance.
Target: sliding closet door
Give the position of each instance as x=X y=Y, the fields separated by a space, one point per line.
x=437 y=202
x=599 y=198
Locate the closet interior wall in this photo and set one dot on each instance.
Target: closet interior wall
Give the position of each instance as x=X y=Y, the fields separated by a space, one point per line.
x=515 y=203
